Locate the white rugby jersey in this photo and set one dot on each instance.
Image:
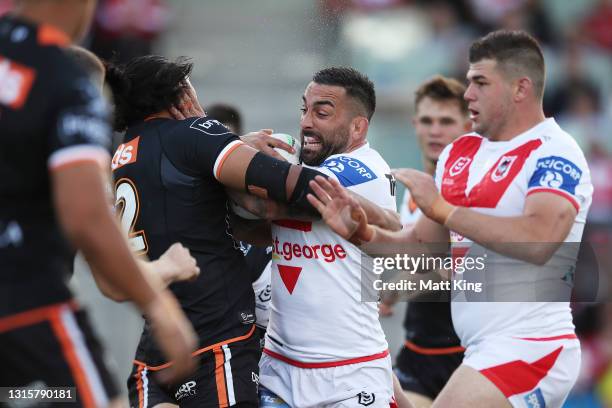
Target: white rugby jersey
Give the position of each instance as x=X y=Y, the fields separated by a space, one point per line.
x=316 y=312
x=495 y=178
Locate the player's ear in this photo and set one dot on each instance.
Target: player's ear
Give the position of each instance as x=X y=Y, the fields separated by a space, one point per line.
x=522 y=88
x=359 y=127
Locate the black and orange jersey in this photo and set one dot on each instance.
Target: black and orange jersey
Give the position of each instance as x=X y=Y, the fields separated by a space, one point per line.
x=50 y=116
x=167 y=191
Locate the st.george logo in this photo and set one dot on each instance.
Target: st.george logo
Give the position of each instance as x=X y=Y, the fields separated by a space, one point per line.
x=459 y=165
x=503 y=168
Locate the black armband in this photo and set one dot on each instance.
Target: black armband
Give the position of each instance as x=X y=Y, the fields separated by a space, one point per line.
x=298 y=198
x=267 y=177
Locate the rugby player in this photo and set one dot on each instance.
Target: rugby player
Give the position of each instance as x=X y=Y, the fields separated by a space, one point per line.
x=324 y=347
x=53 y=153
x=519 y=179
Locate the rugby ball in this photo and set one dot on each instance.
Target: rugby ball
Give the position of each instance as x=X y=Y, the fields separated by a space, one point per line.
x=291 y=158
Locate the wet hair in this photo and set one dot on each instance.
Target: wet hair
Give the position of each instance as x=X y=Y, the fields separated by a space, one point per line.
x=144 y=86
x=442 y=89
x=226 y=114
x=89 y=62
x=517 y=54
x=357 y=85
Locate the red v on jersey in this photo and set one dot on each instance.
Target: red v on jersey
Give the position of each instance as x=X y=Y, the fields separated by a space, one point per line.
x=488 y=191
x=289 y=275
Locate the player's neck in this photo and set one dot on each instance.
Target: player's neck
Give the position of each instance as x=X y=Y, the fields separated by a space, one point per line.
x=45 y=14
x=355 y=146
x=519 y=123
x=159 y=115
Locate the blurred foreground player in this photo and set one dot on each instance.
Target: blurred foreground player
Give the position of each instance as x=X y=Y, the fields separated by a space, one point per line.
x=519 y=179
x=53 y=156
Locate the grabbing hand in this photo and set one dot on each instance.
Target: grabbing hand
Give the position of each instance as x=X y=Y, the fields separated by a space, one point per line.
x=188 y=107
x=263 y=142
x=339 y=210
x=178 y=265
x=425 y=194
x=174 y=335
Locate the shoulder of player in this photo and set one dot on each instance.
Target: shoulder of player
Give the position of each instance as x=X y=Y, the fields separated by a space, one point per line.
x=356 y=168
x=203 y=126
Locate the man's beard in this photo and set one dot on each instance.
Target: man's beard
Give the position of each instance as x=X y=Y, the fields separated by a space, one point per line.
x=328 y=148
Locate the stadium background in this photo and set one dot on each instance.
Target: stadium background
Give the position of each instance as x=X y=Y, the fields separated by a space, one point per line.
x=260 y=54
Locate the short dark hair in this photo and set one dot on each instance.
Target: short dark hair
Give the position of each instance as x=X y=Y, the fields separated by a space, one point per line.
x=144 y=86
x=88 y=61
x=514 y=51
x=357 y=85
x=441 y=88
x=226 y=114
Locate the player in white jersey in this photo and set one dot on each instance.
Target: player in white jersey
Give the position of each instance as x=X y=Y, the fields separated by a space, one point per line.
x=520 y=179
x=324 y=345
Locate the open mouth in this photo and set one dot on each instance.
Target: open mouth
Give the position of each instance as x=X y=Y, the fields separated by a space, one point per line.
x=311 y=141
x=473 y=114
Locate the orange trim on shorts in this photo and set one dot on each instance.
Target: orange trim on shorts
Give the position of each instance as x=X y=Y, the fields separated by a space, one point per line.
x=199 y=351
x=431 y=351
x=140 y=386
x=224 y=158
x=326 y=364
x=33 y=316
x=49 y=35
x=69 y=352
x=220 y=377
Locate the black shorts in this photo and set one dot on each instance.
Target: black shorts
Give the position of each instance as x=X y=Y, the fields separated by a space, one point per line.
x=227 y=375
x=425 y=373
x=54 y=346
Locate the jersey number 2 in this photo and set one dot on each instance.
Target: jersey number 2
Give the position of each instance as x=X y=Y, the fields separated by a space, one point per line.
x=128 y=207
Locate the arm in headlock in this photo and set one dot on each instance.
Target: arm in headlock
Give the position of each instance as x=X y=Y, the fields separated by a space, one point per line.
x=267 y=177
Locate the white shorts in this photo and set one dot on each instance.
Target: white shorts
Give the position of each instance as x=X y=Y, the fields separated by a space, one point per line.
x=367 y=384
x=530 y=372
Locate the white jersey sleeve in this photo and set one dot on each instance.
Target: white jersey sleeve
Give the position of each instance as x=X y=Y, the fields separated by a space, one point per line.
x=561 y=168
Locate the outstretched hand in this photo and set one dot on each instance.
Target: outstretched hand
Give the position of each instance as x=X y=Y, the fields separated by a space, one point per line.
x=340 y=210
x=425 y=194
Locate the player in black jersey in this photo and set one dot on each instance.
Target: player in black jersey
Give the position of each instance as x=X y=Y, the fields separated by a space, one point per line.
x=432 y=350
x=258 y=259
x=170 y=179
x=52 y=151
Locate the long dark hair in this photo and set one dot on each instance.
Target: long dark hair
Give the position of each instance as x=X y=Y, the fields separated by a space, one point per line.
x=144 y=86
